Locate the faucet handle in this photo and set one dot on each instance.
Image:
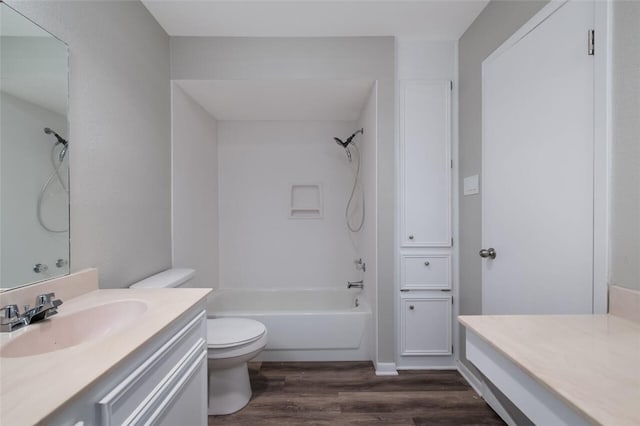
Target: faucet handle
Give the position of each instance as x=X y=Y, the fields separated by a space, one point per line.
x=10 y=313
x=43 y=299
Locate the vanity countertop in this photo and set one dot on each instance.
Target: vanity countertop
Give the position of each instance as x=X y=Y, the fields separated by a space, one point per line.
x=33 y=387
x=591 y=362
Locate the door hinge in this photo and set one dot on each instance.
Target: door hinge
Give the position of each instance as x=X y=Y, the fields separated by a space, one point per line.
x=451 y=85
x=592 y=43
x=452 y=300
x=451 y=242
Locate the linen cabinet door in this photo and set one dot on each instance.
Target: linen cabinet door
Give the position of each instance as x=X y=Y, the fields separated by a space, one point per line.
x=425 y=157
x=426 y=325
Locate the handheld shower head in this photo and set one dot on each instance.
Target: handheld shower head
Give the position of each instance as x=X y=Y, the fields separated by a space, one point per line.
x=342 y=144
x=60 y=139
x=349 y=141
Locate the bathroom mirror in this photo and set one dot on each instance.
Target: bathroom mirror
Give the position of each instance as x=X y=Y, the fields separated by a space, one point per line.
x=34 y=183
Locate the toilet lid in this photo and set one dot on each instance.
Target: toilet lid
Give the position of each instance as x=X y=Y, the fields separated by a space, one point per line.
x=226 y=332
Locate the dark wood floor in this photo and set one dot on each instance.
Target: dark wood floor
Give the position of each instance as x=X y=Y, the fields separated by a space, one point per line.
x=349 y=393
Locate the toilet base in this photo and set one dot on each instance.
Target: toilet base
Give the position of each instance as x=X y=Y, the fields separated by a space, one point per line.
x=229 y=389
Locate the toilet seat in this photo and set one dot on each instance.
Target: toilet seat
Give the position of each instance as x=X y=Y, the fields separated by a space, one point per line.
x=223 y=333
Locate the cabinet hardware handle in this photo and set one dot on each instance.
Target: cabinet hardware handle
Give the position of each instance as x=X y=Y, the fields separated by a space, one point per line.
x=427 y=263
x=411 y=307
x=411 y=237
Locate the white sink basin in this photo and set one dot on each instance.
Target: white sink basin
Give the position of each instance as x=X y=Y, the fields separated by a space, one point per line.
x=64 y=331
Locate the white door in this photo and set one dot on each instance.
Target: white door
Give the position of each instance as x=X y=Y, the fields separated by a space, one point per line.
x=538 y=143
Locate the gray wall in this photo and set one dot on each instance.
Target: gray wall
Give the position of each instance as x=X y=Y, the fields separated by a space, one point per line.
x=625 y=174
x=497 y=22
x=373 y=58
x=119 y=135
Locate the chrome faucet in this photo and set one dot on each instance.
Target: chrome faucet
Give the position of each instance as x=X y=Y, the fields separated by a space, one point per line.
x=45 y=307
x=355 y=284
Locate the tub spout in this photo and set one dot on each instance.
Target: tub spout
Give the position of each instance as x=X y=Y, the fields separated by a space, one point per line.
x=355 y=284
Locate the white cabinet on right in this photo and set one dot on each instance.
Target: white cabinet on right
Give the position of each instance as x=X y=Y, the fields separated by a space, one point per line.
x=426 y=325
x=425 y=163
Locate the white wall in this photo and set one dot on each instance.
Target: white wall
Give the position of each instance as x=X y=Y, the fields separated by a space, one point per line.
x=194 y=189
x=25 y=155
x=367 y=237
x=119 y=135
x=625 y=191
x=425 y=60
x=260 y=246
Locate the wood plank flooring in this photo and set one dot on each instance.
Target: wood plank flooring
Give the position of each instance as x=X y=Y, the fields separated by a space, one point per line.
x=349 y=393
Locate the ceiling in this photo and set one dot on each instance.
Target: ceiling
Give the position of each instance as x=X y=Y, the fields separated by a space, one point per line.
x=423 y=19
x=312 y=100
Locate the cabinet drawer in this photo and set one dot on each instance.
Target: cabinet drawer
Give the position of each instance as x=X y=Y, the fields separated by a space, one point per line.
x=426 y=272
x=127 y=401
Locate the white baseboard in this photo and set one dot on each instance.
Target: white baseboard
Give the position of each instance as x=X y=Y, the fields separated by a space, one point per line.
x=386 y=369
x=485 y=392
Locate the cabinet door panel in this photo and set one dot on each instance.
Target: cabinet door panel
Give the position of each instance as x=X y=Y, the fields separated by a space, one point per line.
x=426 y=325
x=130 y=398
x=425 y=140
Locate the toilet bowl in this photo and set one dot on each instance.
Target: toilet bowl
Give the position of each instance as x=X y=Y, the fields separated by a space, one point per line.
x=231 y=343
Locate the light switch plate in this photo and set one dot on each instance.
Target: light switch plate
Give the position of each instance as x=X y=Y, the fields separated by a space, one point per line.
x=471 y=185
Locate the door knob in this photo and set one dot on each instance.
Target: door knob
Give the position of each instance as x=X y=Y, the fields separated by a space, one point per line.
x=490 y=253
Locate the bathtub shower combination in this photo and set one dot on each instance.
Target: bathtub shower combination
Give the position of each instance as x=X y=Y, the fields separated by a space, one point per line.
x=304 y=325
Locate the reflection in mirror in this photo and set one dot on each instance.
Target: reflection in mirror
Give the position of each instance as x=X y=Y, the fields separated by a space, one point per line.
x=34 y=183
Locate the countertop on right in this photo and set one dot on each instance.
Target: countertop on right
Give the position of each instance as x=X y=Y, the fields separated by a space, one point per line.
x=591 y=362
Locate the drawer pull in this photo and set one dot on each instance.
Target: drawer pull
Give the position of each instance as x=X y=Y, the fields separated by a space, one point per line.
x=411 y=307
x=427 y=263
x=411 y=237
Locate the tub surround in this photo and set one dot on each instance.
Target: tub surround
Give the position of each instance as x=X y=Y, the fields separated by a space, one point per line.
x=587 y=365
x=76 y=368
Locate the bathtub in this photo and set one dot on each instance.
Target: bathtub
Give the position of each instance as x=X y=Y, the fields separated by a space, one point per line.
x=303 y=325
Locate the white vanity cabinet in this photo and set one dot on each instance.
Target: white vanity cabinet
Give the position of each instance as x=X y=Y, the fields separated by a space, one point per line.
x=164 y=382
x=425 y=253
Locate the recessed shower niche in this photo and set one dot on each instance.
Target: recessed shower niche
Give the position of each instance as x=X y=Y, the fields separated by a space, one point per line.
x=305 y=201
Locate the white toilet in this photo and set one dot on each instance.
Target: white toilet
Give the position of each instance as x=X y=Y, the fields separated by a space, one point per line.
x=231 y=343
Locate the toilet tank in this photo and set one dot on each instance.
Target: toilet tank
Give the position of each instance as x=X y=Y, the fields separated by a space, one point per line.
x=175 y=277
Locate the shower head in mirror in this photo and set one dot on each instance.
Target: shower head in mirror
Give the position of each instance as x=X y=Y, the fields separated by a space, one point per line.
x=60 y=139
